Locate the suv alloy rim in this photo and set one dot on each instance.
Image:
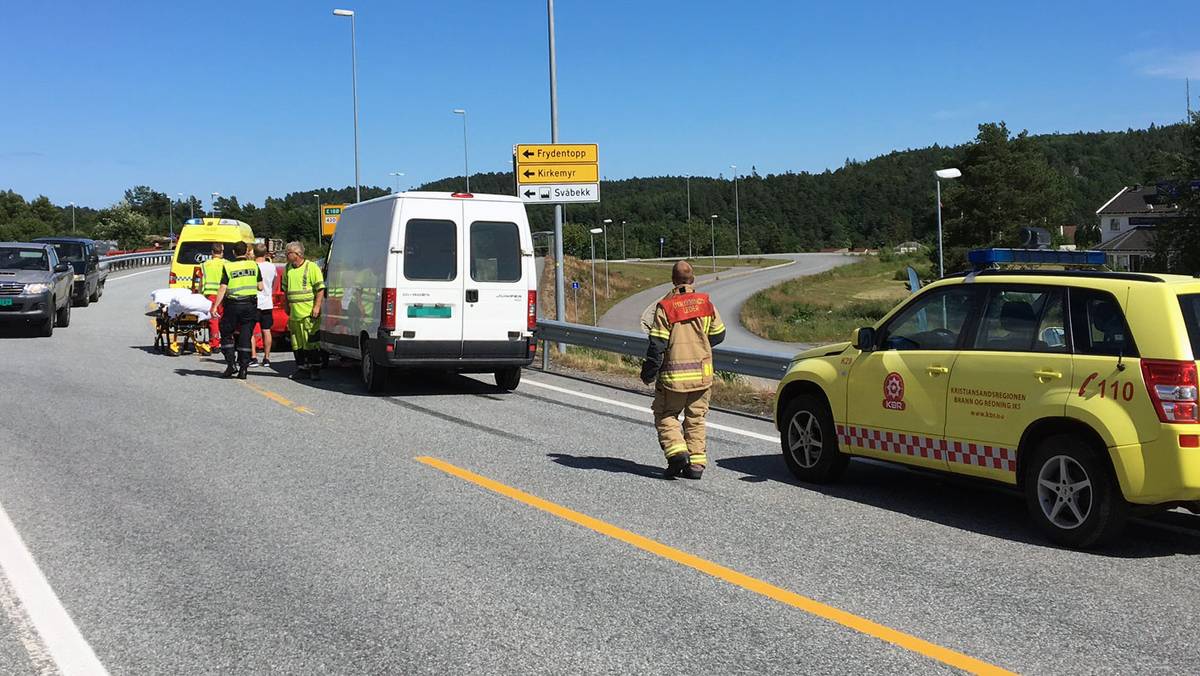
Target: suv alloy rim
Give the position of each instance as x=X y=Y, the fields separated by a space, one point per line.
x=804 y=439
x=1064 y=492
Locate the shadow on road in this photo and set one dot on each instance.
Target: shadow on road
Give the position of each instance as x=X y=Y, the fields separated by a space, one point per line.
x=20 y=330
x=605 y=464
x=970 y=505
x=345 y=379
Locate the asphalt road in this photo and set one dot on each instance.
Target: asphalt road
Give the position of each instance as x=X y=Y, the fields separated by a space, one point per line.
x=191 y=524
x=729 y=291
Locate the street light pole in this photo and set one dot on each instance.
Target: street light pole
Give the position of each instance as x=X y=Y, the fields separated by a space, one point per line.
x=317 y=197
x=213 y=210
x=170 y=220
x=354 y=90
x=737 y=210
x=712 y=224
x=593 y=232
x=559 y=291
x=72 y=218
x=689 y=214
x=396 y=174
x=466 y=158
x=623 y=256
x=940 y=174
x=606 y=289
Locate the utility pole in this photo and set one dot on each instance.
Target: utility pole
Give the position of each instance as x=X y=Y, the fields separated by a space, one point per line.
x=689 y=212
x=559 y=291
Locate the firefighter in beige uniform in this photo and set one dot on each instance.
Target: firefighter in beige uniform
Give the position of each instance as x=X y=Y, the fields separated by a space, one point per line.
x=686 y=327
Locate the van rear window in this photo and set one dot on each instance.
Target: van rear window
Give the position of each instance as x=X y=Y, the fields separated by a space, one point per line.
x=430 y=250
x=195 y=253
x=495 y=252
x=1190 y=304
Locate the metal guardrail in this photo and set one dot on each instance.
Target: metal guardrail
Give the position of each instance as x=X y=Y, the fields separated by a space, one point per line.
x=745 y=362
x=136 y=260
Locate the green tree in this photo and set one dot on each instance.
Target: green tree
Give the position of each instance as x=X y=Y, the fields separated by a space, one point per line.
x=1177 y=244
x=123 y=224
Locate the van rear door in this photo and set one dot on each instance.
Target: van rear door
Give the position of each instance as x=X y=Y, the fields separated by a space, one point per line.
x=429 y=293
x=498 y=279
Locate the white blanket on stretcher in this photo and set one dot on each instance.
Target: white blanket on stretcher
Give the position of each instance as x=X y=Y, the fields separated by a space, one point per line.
x=165 y=296
x=192 y=304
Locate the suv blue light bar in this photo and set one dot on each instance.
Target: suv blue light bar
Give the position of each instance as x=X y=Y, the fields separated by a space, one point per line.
x=984 y=258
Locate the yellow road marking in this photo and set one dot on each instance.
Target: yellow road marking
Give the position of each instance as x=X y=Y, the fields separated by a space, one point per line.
x=846 y=619
x=278 y=398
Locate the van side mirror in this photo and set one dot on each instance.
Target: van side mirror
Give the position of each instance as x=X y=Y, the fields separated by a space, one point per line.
x=864 y=339
x=62 y=267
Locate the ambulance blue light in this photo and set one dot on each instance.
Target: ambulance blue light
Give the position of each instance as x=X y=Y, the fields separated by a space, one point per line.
x=194 y=221
x=988 y=257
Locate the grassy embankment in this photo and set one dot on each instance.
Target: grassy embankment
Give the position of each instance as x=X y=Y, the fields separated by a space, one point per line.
x=729 y=390
x=827 y=307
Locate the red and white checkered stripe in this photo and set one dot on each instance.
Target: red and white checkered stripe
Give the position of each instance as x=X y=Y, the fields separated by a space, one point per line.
x=961 y=452
x=893 y=442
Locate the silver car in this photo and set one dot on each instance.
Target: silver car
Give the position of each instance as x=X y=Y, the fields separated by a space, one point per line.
x=34 y=286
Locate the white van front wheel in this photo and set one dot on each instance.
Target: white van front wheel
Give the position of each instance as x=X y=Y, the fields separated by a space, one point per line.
x=374 y=376
x=508 y=379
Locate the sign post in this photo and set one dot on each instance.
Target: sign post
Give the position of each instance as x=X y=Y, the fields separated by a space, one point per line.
x=557 y=173
x=330 y=215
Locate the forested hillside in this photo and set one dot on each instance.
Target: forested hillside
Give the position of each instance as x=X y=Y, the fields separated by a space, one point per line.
x=863 y=203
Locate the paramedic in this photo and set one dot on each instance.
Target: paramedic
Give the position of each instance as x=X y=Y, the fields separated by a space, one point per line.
x=210 y=272
x=241 y=280
x=685 y=329
x=304 y=287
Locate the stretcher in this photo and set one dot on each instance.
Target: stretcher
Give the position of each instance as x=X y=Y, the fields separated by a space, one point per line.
x=180 y=325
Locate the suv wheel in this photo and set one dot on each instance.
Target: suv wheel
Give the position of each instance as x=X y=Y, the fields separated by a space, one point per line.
x=508 y=379
x=1071 y=495
x=809 y=441
x=46 y=328
x=84 y=299
x=374 y=376
x=62 y=318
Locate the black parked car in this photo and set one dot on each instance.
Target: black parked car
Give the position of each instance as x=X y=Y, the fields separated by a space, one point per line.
x=81 y=253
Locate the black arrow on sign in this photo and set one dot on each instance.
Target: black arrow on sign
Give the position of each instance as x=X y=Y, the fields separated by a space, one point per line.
x=529 y=193
x=528 y=173
x=527 y=153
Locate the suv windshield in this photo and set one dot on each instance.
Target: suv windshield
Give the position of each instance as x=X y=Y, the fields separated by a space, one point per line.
x=69 y=251
x=1190 y=304
x=12 y=258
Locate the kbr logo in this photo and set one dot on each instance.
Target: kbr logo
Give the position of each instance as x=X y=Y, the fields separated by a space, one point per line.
x=893 y=392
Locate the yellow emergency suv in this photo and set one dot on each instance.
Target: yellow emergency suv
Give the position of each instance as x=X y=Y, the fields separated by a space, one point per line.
x=1076 y=385
x=195 y=245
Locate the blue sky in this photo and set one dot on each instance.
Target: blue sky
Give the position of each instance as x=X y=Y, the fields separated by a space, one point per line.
x=253 y=98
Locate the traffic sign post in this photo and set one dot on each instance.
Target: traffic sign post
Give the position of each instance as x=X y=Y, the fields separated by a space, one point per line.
x=330 y=215
x=575 y=290
x=557 y=173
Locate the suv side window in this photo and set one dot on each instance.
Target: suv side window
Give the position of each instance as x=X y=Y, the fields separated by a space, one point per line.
x=1024 y=319
x=1098 y=325
x=933 y=322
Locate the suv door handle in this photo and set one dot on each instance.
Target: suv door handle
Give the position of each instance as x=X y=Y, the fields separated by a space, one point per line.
x=936 y=370
x=1046 y=374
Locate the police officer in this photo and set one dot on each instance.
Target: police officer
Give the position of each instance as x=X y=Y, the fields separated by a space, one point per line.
x=210 y=273
x=237 y=298
x=304 y=287
x=685 y=329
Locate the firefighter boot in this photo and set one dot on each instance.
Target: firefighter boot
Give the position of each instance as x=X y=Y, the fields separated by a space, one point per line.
x=676 y=465
x=692 y=471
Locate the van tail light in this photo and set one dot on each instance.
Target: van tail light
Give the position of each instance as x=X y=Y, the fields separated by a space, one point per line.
x=387 y=319
x=171 y=279
x=197 y=279
x=1172 y=387
x=531 y=313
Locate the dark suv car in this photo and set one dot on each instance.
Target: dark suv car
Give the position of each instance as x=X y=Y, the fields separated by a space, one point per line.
x=34 y=285
x=81 y=253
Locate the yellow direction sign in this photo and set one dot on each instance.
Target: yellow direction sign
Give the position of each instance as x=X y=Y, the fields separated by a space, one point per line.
x=557 y=153
x=557 y=173
x=330 y=215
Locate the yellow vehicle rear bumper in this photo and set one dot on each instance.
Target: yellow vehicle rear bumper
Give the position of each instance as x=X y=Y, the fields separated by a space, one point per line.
x=1163 y=470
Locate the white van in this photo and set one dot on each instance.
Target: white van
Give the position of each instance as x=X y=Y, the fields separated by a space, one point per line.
x=432 y=280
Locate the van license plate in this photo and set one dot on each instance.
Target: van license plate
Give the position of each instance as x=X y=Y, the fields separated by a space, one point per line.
x=5 y=302
x=418 y=311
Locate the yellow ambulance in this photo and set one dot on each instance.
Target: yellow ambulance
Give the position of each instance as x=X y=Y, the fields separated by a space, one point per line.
x=195 y=245
x=1076 y=385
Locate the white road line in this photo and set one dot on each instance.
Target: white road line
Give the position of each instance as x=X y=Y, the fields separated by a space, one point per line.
x=135 y=274
x=644 y=409
x=61 y=638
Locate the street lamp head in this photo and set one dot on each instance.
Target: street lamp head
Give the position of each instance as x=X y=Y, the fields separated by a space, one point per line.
x=596 y=231
x=460 y=111
x=343 y=12
x=947 y=173
x=608 y=220
x=714 y=216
